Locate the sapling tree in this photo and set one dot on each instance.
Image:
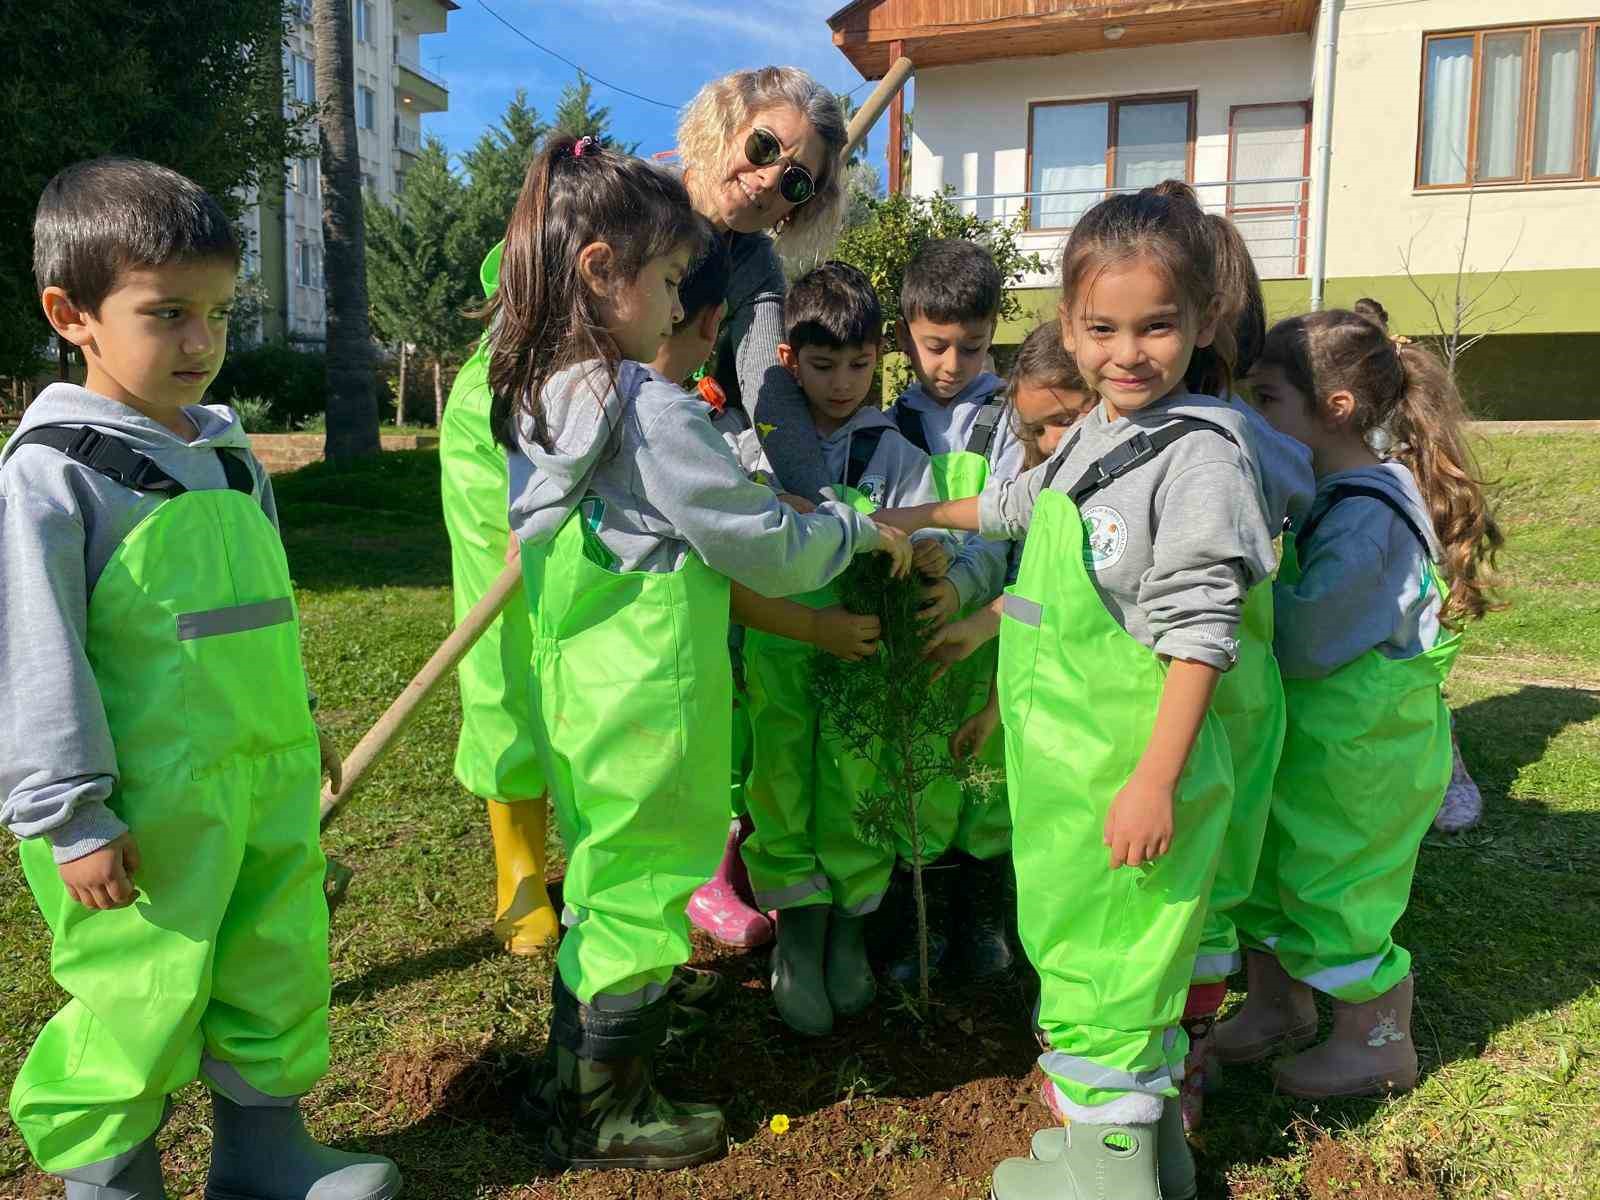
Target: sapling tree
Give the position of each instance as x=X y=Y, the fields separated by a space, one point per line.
x=890 y=711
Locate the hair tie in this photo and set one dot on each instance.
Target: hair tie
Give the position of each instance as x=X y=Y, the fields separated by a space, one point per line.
x=587 y=144
x=1399 y=339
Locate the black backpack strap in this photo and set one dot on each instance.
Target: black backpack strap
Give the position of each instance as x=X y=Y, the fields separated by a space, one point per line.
x=1345 y=491
x=985 y=428
x=240 y=477
x=1059 y=457
x=909 y=424
x=108 y=455
x=1141 y=448
x=863 y=445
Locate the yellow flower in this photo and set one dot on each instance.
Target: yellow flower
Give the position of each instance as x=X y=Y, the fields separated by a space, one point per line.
x=779 y=1124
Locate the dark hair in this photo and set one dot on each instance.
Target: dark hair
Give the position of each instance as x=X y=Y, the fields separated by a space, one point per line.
x=1405 y=389
x=1165 y=224
x=103 y=217
x=1043 y=360
x=1372 y=311
x=1242 y=306
x=833 y=306
x=706 y=283
x=543 y=317
x=951 y=281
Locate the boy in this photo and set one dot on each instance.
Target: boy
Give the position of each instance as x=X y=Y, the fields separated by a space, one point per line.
x=165 y=780
x=955 y=412
x=806 y=858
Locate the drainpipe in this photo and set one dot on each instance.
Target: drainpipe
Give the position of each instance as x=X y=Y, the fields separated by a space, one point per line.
x=1322 y=148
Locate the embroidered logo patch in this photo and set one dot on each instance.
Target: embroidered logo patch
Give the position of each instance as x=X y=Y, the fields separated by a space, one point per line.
x=1105 y=536
x=874 y=488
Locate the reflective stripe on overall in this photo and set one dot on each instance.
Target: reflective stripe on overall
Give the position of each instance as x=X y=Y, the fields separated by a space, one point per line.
x=1114 y=949
x=1365 y=765
x=632 y=691
x=950 y=817
x=220 y=967
x=803 y=784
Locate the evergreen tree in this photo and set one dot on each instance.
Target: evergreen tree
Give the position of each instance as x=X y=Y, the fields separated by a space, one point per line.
x=577 y=117
x=495 y=167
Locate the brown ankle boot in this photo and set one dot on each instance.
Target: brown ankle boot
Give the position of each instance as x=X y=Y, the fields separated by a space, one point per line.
x=1369 y=1053
x=1279 y=1013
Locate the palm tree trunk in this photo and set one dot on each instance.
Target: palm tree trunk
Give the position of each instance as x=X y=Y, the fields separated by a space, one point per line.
x=352 y=397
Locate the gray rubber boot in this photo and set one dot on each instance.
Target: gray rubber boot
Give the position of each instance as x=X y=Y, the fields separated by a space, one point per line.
x=1278 y=1014
x=1369 y=1052
x=138 y=1179
x=798 y=986
x=1092 y=1162
x=851 y=987
x=265 y=1153
x=1174 y=1160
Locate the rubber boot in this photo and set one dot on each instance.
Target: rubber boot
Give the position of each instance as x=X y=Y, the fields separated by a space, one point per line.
x=986 y=902
x=608 y=1114
x=1279 y=1013
x=1369 y=1053
x=851 y=987
x=1091 y=1162
x=264 y=1153
x=138 y=1179
x=695 y=993
x=723 y=906
x=937 y=885
x=525 y=923
x=799 y=988
x=1463 y=802
x=1201 y=1072
x=1174 y=1160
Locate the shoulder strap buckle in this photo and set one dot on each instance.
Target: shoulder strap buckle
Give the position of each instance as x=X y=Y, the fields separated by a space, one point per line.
x=113 y=459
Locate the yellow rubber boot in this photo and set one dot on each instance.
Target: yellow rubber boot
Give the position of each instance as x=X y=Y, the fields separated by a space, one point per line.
x=525 y=922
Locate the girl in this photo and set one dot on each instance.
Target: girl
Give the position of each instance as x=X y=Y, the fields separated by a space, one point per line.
x=1383 y=570
x=631 y=514
x=1144 y=535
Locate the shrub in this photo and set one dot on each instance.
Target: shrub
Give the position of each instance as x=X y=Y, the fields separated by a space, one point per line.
x=293 y=383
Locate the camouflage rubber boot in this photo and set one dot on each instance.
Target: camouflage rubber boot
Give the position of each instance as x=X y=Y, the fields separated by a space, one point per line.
x=1369 y=1053
x=1278 y=1014
x=135 y=1176
x=1091 y=1162
x=608 y=1113
x=848 y=973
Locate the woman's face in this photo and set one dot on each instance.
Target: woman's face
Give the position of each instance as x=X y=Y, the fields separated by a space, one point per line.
x=746 y=196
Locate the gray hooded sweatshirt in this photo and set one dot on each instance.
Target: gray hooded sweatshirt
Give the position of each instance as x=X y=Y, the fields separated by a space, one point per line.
x=60 y=523
x=1363 y=582
x=979 y=571
x=1175 y=544
x=661 y=482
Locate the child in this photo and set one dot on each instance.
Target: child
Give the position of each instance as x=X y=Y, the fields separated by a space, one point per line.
x=165 y=784
x=631 y=514
x=1144 y=535
x=496 y=757
x=1384 y=568
x=955 y=412
x=806 y=858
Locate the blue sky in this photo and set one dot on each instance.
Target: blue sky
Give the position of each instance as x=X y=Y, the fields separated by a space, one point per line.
x=664 y=49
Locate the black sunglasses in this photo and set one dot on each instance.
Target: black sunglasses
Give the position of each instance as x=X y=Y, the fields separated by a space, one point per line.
x=762 y=149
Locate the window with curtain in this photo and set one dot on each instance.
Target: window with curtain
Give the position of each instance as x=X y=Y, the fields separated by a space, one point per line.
x=1504 y=106
x=366 y=108
x=1079 y=149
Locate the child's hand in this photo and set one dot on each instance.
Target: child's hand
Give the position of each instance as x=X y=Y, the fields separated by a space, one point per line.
x=904 y=519
x=332 y=761
x=939 y=603
x=961 y=639
x=895 y=544
x=975 y=731
x=104 y=879
x=930 y=558
x=847 y=635
x=1139 y=825
x=799 y=503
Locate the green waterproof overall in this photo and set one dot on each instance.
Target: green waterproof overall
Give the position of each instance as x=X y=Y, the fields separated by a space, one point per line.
x=1114 y=949
x=803 y=786
x=496 y=757
x=950 y=817
x=1365 y=765
x=632 y=691
x=1249 y=700
x=223 y=957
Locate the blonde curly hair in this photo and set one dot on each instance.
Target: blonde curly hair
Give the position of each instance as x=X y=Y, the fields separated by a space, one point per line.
x=724 y=106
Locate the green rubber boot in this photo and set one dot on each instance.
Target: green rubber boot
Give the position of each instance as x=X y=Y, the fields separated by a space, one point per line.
x=1174 y=1160
x=265 y=1153
x=798 y=985
x=608 y=1114
x=137 y=1178
x=851 y=987
x=1092 y=1162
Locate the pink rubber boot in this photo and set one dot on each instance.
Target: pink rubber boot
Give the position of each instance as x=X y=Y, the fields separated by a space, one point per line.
x=723 y=906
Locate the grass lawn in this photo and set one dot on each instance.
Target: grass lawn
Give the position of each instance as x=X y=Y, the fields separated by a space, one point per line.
x=431 y=1023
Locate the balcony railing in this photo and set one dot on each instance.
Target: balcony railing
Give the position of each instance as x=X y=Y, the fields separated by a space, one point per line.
x=1271 y=214
x=407 y=139
x=416 y=68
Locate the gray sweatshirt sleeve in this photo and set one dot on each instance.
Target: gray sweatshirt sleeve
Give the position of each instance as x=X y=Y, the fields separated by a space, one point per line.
x=57 y=761
x=1005 y=507
x=774 y=399
x=739 y=527
x=1210 y=545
